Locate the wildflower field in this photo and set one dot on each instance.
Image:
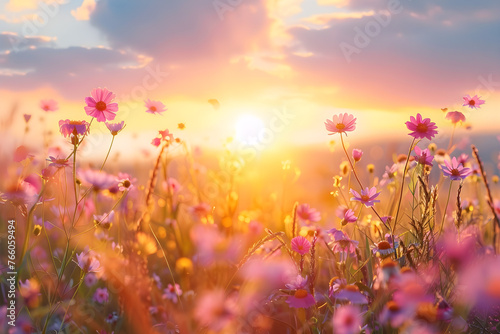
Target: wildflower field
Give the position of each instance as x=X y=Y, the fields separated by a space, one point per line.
x=171 y=248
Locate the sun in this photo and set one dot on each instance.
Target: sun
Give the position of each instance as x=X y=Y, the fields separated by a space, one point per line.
x=248 y=127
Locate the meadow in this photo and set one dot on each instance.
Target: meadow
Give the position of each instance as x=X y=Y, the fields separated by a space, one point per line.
x=225 y=242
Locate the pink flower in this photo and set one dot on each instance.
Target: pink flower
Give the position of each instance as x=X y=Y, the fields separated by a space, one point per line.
x=214 y=310
x=455 y=117
x=48 y=105
x=58 y=162
x=342 y=243
x=473 y=102
x=308 y=214
x=463 y=158
x=301 y=299
x=173 y=185
x=423 y=157
x=156 y=142
x=352 y=294
x=165 y=136
x=421 y=128
x=27 y=117
x=114 y=128
x=99 y=105
x=172 y=293
x=349 y=217
x=347 y=320
x=67 y=127
x=455 y=170
x=101 y=296
x=87 y=262
x=341 y=123
x=98 y=179
x=367 y=196
x=125 y=181
x=155 y=107
x=300 y=245
x=357 y=154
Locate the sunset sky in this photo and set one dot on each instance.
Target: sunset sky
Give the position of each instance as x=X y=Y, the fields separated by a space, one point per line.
x=380 y=60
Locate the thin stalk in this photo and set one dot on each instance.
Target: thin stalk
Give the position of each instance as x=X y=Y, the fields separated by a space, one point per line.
x=445 y=208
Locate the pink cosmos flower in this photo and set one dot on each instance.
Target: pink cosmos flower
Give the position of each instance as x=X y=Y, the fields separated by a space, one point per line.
x=125 y=181
x=473 y=102
x=423 y=157
x=341 y=123
x=164 y=135
x=463 y=158
x=173 y=185
x=58 y=162
x=300 y=245
x=101 y=295
x=352 y=294
x=115 y=128
x=298 y=283
x=342 y=243
x=88 y=262
x=48 y=105
x=308 y=214
x=347 y=320
x=154 y=107
x=98 y=179
x=421 y=128
x=357 y=154
x=301 y=299
x=67 y=127
x=172 y=293
x=349 y=217
x=389 y=175
x=455 y=170
x=367 y=196
x=99 y=105
x=455 y=117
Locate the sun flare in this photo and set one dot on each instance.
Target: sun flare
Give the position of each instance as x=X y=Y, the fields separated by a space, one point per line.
x=248 y=128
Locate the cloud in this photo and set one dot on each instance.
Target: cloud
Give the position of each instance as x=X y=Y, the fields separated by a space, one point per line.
x=70 y=70
x=83 y=12
x=422 y=55
x=11 y=41
x=184 y=31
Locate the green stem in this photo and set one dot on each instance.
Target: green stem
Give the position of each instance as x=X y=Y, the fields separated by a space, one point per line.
x=107 y=155
x=445 y=209
x=69 y=304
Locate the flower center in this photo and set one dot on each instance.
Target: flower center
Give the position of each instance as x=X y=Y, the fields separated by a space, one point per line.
x=348 y=320
x=472 y=102
x=422 y=127
x=365 y=198
x=300 y=293
x=126 y=183
x=340 y=126
x=392 y=306
x=351 y=288
x=455 y=172
x=101 y=106
x=384 y=245
x=344 y=243
x=152 y=108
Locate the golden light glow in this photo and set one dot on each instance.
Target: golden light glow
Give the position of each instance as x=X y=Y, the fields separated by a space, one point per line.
x=247 y=128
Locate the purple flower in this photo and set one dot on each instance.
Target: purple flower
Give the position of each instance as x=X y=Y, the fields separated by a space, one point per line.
x=423 y=157
x=455 y=170
x=367 y=196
